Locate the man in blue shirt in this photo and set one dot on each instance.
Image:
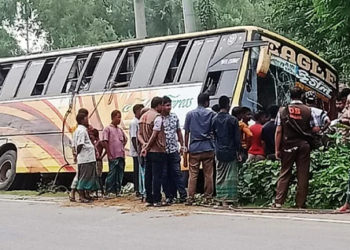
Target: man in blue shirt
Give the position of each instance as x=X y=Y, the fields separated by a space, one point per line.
x=198 y=135
x=227 y=146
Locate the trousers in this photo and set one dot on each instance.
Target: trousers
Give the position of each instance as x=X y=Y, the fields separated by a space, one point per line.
x=196 y=159
x=299 y=155
x=153 y=176
x=136 y=174
x=172 y=177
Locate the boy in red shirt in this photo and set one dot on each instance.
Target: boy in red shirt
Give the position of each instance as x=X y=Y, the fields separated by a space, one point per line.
x=256 y=151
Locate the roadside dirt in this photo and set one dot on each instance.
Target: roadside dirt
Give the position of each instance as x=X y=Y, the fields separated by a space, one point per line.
x=131 y=204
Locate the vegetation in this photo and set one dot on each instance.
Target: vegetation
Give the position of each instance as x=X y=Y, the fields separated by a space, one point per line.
x=328 y=179
x=321 y=25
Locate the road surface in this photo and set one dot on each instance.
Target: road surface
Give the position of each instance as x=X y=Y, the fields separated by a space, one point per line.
x=46 y=225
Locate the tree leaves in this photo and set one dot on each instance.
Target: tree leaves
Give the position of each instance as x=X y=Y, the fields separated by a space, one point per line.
x=320 y=25
x=329 y=178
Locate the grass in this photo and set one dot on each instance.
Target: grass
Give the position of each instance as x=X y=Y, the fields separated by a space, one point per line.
x=32 y=193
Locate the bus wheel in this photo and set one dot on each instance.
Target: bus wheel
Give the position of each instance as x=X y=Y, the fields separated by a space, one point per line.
x=7 y=169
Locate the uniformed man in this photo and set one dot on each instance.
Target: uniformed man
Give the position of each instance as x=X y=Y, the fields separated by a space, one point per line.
x=292 y=147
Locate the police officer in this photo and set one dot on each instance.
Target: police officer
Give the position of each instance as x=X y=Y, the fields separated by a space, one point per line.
x=291 y=146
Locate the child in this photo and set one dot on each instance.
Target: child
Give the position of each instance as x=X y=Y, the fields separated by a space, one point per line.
x=114 y=140
x=99 y=157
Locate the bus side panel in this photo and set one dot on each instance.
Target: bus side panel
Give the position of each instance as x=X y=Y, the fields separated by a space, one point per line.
x=35 y=125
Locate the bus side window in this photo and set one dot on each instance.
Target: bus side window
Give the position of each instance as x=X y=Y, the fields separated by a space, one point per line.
x=187 y=69
x=146 y=66
x=212 y=82
x=43 y=77
x=25 y=88
x=4 y=70
x=104 y=71
x=127 y=68
x=74 y=73
x=169 y=62
x=13 y=80
x=89 y=72
x=175 y=62
x=206 y=53
x=59 y=76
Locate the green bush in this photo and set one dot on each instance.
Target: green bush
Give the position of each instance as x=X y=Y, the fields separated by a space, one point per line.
x=329 y=175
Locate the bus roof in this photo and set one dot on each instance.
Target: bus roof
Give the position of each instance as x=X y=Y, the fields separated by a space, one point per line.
x=112 y=45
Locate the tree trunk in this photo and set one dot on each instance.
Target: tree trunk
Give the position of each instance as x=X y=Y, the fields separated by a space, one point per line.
x=140 y=19
x=189 y=16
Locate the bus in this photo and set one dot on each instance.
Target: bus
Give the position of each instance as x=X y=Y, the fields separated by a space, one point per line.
x=40 y=94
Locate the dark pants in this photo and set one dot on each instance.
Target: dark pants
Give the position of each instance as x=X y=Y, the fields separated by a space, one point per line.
x=136 y=174
x=244 y=154
x=115 y=175
x=300 y=156
x=271 y=157
x=172 y=177
x=214 y=177
x=153 y=177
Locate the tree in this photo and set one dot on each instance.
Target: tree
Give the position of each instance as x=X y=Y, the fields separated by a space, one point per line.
x=9 y=45
x=68 y=23
x=164 y=17
x=316 y=25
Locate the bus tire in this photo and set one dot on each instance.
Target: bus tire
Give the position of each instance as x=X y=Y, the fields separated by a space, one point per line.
x=7 y=169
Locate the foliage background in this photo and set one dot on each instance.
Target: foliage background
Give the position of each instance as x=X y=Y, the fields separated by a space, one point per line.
x=328 y=179
x=321 y=25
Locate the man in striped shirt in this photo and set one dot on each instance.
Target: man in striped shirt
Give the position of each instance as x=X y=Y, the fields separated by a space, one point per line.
x=321 y=115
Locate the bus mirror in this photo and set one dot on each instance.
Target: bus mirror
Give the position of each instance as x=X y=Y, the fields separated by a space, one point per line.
x=263 y=62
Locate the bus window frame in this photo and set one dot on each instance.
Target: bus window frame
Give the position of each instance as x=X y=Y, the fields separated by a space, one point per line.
x=82 y=73
x=183 y=61
x=160 y=75
x=14 y=86
x=30 y=79
x=100 y=75
x=199 y=69
x=120 y=64
x=187 y=69
x=164 y=60
x=72 y=59
x=138 y=75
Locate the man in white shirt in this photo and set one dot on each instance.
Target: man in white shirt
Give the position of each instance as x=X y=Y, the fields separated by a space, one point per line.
x=321 y=115
x=134 y=150
x=86 y=158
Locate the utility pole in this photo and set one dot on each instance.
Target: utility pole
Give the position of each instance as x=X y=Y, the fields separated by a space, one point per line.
x=140 y=19
x=189 y=16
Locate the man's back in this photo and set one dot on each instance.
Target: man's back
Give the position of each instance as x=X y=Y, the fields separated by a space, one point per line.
x=256 y=148
x=321 y=116
x=227 y=136
x=147 y=125
x=199 y=124
x=268 y=136
x=303 y=117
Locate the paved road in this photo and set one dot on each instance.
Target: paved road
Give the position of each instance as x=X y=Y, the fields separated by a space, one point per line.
x=48 y=226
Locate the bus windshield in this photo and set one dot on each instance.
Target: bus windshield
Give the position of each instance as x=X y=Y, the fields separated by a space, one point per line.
x=288 y=66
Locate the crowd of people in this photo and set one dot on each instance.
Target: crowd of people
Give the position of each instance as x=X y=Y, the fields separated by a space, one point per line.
x=214 y=140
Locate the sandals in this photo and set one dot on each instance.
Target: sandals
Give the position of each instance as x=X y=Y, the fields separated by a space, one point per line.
x=84 y=201
x=72 y=199
x=344 y=209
